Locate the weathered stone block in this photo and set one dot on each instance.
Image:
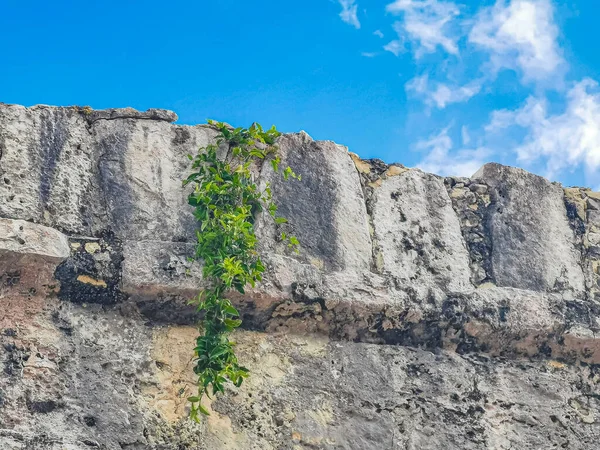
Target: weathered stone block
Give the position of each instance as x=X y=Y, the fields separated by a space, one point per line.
x=19 y=238
x=419 y=236
x=154 y=267
x=140 y=168
x=533 y=246
x=46 y=166
x=326 y=210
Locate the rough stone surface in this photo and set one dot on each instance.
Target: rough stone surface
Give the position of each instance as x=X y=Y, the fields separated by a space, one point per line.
x=329 y=198
x=421 y=313
x=418 y=235
x=18 y=237
x=119 y=171
x=533 y=245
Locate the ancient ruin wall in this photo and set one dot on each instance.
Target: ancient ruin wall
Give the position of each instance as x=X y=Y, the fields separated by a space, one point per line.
x=422 y=313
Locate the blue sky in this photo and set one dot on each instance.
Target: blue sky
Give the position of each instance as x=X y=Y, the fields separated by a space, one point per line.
x=442 y=85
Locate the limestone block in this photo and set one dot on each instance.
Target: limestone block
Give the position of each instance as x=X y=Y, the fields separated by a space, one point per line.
x=419 y=236
x=21 y=238
x=153 y=267
x=140 y=168
x=46 y=166
x=325 y=210
x=533 y=246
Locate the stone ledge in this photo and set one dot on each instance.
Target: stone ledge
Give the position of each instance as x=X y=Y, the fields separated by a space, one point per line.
x=163 y=115
x=92 y=115
x=19 y=238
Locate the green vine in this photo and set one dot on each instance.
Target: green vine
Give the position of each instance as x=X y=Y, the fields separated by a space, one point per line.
x=226 y=202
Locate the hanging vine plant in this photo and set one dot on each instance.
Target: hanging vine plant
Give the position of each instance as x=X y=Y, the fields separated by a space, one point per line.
x=226 y=201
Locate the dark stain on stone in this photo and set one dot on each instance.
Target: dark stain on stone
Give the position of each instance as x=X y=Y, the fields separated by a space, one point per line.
x=13 y=363
x=11 y=278
x=112 y=171
x=61 y=323
x=300 y=294
x=53 y=136
x=575 y=221
x=545 y=349
x=378 y=168
x=426 y=334
x=42 y=406
x=469 y=344
x=93 y=277
x=187 y=223
x=182 y=135
x=485 y=248
x=90 y=421
x=503 y=312
x=167 y=310
x=310 y=204
x=581 y=313
x=253 y=319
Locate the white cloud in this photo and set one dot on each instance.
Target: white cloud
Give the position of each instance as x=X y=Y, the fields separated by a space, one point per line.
x=465 y=136
x=420 y=85
x=441 y=95
x=562 y=141
x=439 y=160
x=516 y=35
x=349 y=12
x=396 y=47
x=427 y=23
x=520 y=35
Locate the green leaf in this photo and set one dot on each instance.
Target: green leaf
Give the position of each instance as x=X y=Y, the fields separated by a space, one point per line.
x=203 y=410
x=275 y=163
x=232 y=323
x=219 y=351
x=231 y=310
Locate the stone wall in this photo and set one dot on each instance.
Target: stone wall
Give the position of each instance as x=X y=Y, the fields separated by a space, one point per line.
x=421 y=313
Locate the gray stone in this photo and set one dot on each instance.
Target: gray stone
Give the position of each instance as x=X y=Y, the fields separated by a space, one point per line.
x=419 y=235
x=478 y=188
x=141 y=165
x=325 y=211
x=21 y=238
x=129 y=113
x=121 y=170
x=533 y=244
x=158 y=266
x=305 y=392
x=46 y=166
